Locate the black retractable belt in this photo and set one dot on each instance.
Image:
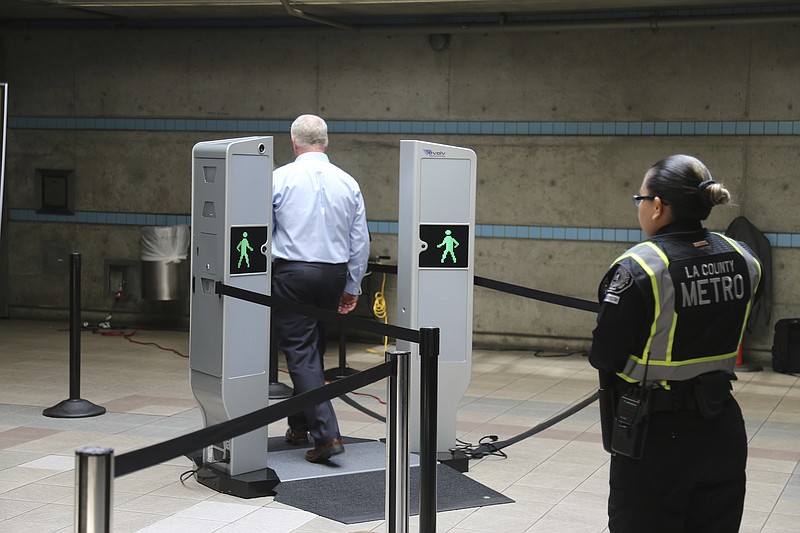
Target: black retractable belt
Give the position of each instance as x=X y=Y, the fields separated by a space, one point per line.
x=525 y=292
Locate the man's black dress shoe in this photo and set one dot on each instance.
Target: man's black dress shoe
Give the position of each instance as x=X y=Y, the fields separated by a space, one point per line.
x=325 y=451
x=297 y=436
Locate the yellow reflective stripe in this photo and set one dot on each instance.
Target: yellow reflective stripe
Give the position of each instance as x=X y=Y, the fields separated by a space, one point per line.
x=746 y=316
x=689 y=361
x=638 y=259
x=671 y=340
x=674 y=321
x=630 y=253
x=738 y=248
x=657 y=312
x=655 y=284
x=635 y=363
x=659 y=251
x=620 y=258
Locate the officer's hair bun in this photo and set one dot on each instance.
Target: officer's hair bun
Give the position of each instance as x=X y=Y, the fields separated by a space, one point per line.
x=717 y=194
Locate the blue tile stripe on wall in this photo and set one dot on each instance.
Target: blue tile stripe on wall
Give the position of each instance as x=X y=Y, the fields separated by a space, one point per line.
x=102 y=217
x=429 y=127
x=385 y=227
x=530 y=128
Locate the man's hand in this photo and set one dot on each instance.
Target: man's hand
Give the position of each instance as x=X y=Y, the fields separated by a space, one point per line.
x=347 y=303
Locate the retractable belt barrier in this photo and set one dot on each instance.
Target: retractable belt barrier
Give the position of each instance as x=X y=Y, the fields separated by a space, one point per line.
x=533 y=294
x=98 y=467
x=518 y=290
x=143 y=458
x=140 y=459
x=333 y=317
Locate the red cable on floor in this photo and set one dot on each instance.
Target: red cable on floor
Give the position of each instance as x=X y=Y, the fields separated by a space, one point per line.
x=128 y=337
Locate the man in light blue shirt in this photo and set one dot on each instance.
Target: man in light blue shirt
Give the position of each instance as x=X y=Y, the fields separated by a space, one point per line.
x=320 y=246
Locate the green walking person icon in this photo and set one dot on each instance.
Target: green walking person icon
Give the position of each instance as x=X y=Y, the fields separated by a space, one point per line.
x=449 y=244
x=242 y=248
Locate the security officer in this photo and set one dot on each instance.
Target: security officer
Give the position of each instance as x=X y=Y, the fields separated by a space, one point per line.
x=672 y=313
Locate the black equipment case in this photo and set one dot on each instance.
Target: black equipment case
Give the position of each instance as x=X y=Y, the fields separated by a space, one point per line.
x=786 y=346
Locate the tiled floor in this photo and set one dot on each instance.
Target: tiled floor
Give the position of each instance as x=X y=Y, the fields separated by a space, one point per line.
x=557 y=478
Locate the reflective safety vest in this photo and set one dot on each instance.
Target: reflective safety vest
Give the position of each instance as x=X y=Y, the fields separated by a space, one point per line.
x=700 y=302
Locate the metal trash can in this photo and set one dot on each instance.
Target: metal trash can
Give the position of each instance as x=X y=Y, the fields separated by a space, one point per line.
x=165 y=270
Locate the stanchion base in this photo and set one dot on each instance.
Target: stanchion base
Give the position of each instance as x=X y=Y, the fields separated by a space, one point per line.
x=278 y=391
x=250 y=485
x=456 y=460
x=333 y=374
x=74 y=408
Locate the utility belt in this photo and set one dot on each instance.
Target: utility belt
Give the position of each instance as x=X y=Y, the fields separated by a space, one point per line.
x=676 y=399
x=625 y=409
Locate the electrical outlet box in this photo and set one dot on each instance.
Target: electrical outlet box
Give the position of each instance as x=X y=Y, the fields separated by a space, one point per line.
x=122 y=275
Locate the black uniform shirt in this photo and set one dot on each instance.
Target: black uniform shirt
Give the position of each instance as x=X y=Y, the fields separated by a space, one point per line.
x=627 y=306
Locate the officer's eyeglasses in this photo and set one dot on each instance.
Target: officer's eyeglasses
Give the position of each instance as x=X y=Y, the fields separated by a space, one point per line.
x=638 y=199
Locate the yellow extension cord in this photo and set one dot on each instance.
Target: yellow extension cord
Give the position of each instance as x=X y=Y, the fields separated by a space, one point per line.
x=379 y=310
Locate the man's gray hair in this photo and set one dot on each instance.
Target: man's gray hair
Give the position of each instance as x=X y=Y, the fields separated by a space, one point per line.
x=310 y=130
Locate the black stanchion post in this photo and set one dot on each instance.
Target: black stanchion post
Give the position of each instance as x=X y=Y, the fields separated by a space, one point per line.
x=75 y=325
x=342 y=371
x=429 y=385
x=75 y=406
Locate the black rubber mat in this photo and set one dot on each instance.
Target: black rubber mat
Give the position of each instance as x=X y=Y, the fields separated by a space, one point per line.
x=359 y=497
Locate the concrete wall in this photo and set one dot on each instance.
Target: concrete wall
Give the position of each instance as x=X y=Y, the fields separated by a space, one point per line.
x=562 y=123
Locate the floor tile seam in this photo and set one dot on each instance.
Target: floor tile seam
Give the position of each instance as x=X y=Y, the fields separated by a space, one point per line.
x=764 y=392
x=772 y=504
x=555 y=386
x=3 y=493
x=41 y=504
x=597 y=470
x=582 y=523
x=117 y=418
x=760 y=426
x=48 y=473
x=772 y=514
x=12 y=443
x=6 y=498
x=193 y=498
x=44 y=432
x=137 y=496
x=500 y=413
x=780 y=437
x=552 y=506
x=780 y=497
x=153 y=399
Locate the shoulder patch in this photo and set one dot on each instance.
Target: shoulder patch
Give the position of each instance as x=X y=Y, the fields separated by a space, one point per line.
x=621 y=281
